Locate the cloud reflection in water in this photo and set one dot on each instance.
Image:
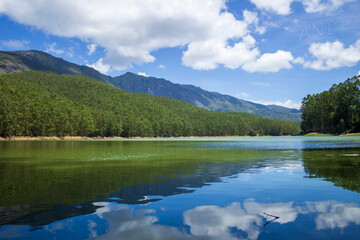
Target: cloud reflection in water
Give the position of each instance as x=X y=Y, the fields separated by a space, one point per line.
x=235 y=221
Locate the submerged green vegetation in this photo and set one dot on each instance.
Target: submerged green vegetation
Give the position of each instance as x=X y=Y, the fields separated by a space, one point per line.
x=334 y=111
x=36 y=103
x=71 y=170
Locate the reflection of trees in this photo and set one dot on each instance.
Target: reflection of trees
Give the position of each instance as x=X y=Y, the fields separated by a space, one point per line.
x=48 y=187
x=184 y=178
x=342 y=167
x=51 y=173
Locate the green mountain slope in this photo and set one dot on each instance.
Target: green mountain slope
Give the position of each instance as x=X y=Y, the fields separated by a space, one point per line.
x=35 y=60
x=208 y=100
x=36 y=103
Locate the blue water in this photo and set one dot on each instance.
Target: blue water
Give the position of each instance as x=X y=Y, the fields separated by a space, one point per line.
x=262 y=188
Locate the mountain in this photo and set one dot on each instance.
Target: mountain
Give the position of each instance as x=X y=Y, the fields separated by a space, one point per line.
x=36 y=60
x=199 y=97
x=20 y=61
x=34 y=103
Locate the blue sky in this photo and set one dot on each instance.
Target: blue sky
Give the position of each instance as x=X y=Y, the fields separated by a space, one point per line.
x=259 y=50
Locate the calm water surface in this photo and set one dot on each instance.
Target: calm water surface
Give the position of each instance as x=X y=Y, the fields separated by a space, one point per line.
x=217 y=188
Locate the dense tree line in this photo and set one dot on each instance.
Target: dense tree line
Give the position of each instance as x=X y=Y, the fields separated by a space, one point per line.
x=334 y=111
x=46 y=104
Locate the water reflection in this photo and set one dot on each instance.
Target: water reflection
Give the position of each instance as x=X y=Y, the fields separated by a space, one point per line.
x=217 y=222
x=342 y=167
x=317 y=163
x=171 y=190
x=126 y=222
x=333 y=214
x=284 y=143
x=235 y=221
x=161 y=180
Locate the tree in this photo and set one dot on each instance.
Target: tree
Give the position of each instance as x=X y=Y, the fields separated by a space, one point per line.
x=334 y=111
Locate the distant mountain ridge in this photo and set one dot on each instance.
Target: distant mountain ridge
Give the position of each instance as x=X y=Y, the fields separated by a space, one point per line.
x=199 y=97
x=19 y=61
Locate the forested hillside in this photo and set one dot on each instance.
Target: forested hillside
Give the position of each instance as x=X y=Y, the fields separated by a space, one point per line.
x=36 y=103
x=199 y=97
x=19 y=61
x=334 y=111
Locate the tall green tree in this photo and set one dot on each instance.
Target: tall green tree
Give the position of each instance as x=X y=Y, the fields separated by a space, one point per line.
x=334 y=111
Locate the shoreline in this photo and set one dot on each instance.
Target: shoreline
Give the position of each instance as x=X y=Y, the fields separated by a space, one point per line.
x=66 y=138
x=55 y=138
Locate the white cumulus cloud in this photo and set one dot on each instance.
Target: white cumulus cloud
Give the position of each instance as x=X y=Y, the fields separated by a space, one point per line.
x=270 y=62
x=313 y=6
x=101 y=66
x=142 y=74
x=288 y=103
x=130 y=30
x=52 y=49
x=281 y=7
x=252 y=18
x=91 y=48
x=244 y=54
x=15 y=44
x=332 y=55
x=208 y=55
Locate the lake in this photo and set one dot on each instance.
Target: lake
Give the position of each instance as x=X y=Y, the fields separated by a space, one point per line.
x=191 y=188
